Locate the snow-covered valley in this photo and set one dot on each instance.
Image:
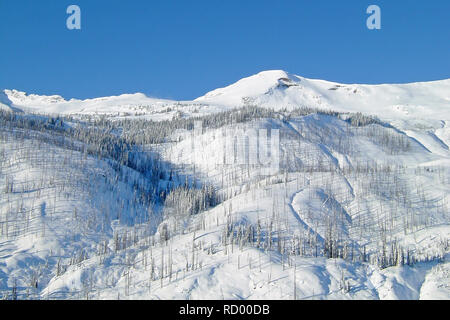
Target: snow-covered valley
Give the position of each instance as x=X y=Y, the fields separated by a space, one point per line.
x=132 y=197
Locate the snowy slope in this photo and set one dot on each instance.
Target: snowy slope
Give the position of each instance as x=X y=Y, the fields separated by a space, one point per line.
x=355 y=211
x=58 y=105
x=123 y=106
x=202 y=266
x=279 y=89
x=275 y=89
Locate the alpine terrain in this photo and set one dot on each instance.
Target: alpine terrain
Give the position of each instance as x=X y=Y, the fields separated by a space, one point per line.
x=275 y=187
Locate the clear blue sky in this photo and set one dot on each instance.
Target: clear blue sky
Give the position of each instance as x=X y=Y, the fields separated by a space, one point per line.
x=182 y=49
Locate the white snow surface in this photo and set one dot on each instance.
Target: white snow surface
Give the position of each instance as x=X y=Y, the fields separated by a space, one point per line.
x=66 y=218
x=279 y=89
x=274 y=89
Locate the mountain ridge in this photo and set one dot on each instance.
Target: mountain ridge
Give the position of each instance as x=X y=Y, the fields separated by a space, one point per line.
x=275 y=89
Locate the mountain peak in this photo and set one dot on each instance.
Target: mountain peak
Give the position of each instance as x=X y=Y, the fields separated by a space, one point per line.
x=251 y=86
x=275 y=74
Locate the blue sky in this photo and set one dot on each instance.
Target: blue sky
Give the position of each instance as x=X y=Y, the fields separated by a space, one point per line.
x=183 y=49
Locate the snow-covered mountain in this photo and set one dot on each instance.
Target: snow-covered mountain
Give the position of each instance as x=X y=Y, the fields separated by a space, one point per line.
x=273 y=89
x=279 y=89
x=119 y=207
x=58 y=105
